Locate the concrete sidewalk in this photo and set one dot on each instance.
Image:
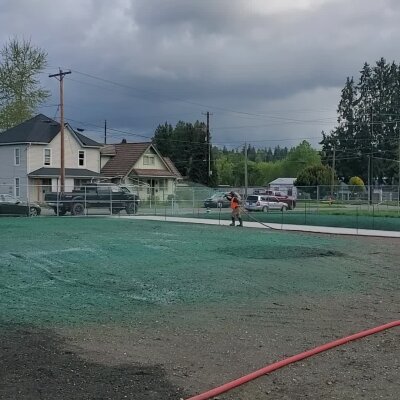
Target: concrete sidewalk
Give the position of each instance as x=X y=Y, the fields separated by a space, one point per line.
x=263 y=225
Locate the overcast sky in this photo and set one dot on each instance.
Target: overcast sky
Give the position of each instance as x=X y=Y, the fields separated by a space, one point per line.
x=269 y=71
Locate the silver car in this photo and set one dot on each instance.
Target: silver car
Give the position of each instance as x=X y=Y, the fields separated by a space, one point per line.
x=264 y=203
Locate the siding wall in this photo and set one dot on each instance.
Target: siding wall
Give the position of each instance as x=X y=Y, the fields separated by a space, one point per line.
x=71 y=151
x=158 y=163
x=9 y=171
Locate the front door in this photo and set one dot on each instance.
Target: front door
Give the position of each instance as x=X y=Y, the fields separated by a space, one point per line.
x=45 y=185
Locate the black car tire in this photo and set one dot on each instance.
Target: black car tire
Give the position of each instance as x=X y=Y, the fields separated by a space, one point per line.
x=265 y=209
x=33 y=212
x=131 y=208
x=284 y=208
x=115 y=211
x=78 y=209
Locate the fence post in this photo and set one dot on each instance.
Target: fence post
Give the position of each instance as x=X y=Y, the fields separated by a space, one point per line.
x=111 y=201
x=193 y=199
x=373 y=216
x=58 y=200
x=357 y=220
x=86 y=213
x=305 y=212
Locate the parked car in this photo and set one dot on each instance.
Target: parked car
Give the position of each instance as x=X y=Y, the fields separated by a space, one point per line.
x=113 y=197
x=289 y=200
x=264 y=203
x=10 y=205
x=217 y=200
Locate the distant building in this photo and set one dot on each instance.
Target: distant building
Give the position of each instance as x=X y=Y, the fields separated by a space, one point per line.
x=284 y=185
x=140 y=165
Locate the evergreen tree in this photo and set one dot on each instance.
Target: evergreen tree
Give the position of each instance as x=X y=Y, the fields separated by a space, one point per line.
x=366 y=137
x=164 y=140
x=186 y=145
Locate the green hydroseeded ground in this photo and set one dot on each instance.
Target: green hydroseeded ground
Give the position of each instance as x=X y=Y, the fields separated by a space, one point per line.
x=297 y=217
x=95 y=270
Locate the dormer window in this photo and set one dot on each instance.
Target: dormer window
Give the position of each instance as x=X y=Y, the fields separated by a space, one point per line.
x=47 y=156
x=81 y=158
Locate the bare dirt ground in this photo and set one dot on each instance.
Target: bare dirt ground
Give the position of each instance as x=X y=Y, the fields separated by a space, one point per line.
x=181 y=350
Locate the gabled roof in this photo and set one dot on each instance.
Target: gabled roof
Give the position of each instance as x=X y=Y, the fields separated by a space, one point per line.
x=172 y=167
x=85 y=140
x=40 y=129
x=283 y=181
x=126 y=155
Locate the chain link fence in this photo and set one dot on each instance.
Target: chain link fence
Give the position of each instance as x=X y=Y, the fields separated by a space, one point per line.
x=340 y=205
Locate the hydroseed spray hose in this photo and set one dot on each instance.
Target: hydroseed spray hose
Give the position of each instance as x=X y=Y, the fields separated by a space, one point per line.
x=256 y=220
x=272 y=367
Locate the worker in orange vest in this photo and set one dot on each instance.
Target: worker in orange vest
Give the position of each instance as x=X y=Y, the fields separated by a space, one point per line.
x=235 y=206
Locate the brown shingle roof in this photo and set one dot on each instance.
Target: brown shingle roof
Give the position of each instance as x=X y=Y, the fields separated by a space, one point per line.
x=172 y=167
x=126 y=155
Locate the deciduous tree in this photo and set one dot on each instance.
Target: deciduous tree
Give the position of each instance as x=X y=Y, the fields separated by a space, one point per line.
x=20 y=89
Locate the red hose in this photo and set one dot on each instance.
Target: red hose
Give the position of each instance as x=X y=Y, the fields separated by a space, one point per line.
x=272 y=367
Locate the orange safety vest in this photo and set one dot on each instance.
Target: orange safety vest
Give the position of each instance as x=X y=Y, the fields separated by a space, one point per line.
x=234 y=203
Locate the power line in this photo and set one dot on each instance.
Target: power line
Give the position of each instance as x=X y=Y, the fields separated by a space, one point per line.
x=130 y=87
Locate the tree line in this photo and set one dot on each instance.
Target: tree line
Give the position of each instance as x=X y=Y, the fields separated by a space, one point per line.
x=366 y=141
x=186 y=145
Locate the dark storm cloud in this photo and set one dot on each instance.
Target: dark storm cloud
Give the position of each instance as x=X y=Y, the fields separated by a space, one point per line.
x=285 y=61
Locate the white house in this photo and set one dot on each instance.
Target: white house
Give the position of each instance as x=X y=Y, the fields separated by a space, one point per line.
x=140 y=165
x=30 y=158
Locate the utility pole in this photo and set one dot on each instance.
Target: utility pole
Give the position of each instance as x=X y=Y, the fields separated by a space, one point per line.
x=370 y=160
x=105 y=131
x=398 y=178
x=208 y=145
x=246 y=183
x=60 y=77
x=333 y=171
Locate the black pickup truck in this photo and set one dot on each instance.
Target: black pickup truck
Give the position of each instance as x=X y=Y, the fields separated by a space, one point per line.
x=113 y=197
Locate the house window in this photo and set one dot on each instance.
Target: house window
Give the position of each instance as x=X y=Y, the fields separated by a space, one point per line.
x=47 y=156
x=17 y=156
x=17 y=187
x=148 y=160
x=81 y=158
